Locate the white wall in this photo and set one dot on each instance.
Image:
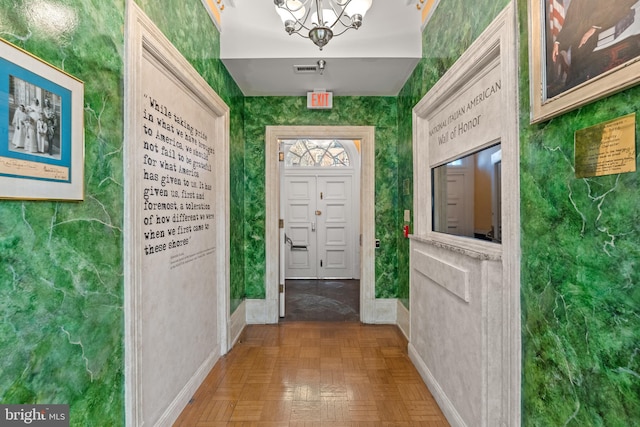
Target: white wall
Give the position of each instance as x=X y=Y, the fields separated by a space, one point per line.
x=464 y=293
x=455 y=326
x=177 y=227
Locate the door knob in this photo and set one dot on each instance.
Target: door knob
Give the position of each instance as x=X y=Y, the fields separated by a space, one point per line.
x=318 y=213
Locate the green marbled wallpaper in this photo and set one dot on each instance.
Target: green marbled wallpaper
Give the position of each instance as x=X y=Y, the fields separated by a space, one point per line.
x=580 y=272
x=190 y=29
x=357 y=111
x=61 y=271
x=406 y=100
x=236 y=182
x=445 y=38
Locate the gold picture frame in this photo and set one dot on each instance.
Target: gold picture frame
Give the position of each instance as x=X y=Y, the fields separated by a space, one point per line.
x=606 y=62
x=41 y=129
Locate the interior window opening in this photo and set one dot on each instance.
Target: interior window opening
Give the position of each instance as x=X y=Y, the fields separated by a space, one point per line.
x=467 y=199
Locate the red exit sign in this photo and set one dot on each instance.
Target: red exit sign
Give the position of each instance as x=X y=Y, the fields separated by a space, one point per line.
x=319 y=100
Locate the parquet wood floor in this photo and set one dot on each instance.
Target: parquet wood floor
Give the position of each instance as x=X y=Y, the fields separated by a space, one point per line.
x=314 y=374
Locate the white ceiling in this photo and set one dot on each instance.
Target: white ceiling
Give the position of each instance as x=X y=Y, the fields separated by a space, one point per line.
x=375 y=60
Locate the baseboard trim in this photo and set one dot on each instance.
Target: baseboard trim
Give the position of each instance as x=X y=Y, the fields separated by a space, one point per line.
x=447 y=407
x=182 y=399
x=404 y=320
x=261 y=311
x=385 y=311
x=237 y=323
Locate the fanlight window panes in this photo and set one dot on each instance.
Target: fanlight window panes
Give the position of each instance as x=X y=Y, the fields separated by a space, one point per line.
x=319 y=153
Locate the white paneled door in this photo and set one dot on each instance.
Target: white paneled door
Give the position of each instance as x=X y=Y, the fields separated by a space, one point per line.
x=300 y=227
x=319 y=227
x=335 y=233
x=460 y=200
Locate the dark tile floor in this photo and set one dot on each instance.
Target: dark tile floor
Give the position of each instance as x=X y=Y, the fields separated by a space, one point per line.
x=322 y=300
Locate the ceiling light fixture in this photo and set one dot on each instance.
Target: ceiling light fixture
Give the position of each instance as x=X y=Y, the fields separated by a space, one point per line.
x=321 y=18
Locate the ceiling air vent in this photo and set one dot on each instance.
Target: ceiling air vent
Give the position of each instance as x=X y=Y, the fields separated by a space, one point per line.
x=305 y=69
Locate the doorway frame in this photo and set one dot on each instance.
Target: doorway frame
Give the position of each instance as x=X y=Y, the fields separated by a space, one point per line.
x=353 y=172
x=366 y=134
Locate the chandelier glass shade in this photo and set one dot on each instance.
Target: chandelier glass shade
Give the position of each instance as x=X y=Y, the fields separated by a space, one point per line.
x=321 y=20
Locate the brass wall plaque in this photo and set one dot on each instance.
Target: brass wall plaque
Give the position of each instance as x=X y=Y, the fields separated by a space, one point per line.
x=607 y=148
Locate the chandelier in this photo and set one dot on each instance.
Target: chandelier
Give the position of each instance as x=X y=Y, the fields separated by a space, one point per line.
x=321 y=19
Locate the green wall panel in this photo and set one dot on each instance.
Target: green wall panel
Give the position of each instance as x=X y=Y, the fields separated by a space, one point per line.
x=380 y=112
x=580 y=272
x=61 y=270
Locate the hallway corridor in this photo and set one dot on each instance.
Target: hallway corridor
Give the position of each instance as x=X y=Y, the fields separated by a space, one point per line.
x=314 y=374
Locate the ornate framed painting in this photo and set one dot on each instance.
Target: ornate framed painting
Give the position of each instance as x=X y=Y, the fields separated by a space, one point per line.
x=581 y=51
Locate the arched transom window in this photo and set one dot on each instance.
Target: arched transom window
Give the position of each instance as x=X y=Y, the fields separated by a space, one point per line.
x=319 y=153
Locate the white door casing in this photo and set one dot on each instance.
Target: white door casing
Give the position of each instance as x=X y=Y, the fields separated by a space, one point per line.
x=281 y=248
x=366 y=199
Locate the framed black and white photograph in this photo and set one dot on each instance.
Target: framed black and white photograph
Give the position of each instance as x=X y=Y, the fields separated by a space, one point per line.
x=41 y=129
x=581 y=51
